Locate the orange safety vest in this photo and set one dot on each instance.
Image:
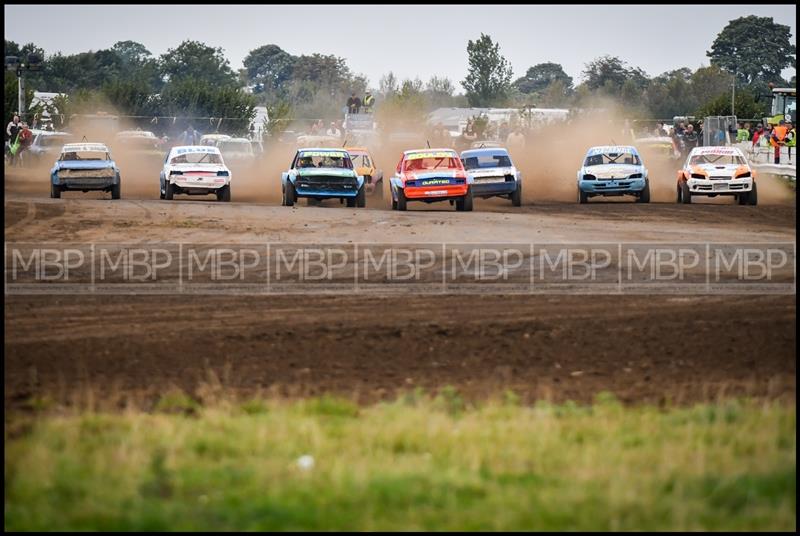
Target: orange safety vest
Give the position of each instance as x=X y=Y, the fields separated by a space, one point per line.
x=780 y=133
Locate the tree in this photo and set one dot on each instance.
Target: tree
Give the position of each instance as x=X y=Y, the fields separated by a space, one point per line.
x=611 y=73
x=269 y=68
x=388 y=85
x=131 y=52
x=489 y=78
x=755 y=48
x=747 y=105
x=196 y=60
x=710 y=82
x=540 y=76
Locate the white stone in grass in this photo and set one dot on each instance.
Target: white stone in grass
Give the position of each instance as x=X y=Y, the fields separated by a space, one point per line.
x=305 y=462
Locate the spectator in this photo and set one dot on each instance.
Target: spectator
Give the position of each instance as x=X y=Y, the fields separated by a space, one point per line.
x=353 y=104
x=516 y=141
x=369 y=100
x=503 y=131
x=190 y=136
x=790 y=138
x=742 y=133
x=12 y=129
x=25 y=139
x=315 y=128
x=679 y=130
x=691 y=138
x=333 y=130
x=759 y=131
x=778 y=139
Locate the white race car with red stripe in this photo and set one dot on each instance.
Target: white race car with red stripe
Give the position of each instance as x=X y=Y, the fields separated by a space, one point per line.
x=713 y=171
x=195 y=170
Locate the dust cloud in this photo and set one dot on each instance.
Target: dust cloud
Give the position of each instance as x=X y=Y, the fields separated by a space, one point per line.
x=549 y=162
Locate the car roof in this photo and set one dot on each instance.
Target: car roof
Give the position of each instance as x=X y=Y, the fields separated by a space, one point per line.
x=238 y=140
x=485 y=151
x=215 y=136
x=136 y=133
x=356 y=149
x=722 y=150
x=598 y=149
x=87 y=146
x=185 y=149
x=322 y=149
x=433 y=150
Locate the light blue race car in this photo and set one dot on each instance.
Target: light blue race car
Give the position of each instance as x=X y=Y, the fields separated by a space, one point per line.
x=613 y=170
x=493 y=174
x=84 y=167
x=323 y=173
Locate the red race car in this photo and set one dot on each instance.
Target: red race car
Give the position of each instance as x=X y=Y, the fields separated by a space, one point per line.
x=431 y=175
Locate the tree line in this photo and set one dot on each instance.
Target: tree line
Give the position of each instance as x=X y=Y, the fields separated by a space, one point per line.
x=195 y=79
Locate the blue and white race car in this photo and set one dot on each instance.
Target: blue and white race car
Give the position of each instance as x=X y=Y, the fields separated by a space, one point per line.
x=84 y=167
x=323 y=173
x=613 y=170
x=492 y=173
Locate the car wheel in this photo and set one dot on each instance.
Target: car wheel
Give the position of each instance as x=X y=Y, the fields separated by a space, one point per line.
x=583 y=197
x=401 y=200
x=686 y=195
x=752 y=197
x=466 y=204
x=116 y=191
x=224 y=193
x=289 y=196
x=516 y=197
x=361 y=198
x=170 y=191
x=644 y=197
x=55 y=191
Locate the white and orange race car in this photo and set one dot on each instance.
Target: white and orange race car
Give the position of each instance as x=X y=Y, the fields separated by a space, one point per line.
x=713 y=171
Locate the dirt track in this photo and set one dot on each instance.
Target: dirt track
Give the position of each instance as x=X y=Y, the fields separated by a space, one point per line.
x=642 y=348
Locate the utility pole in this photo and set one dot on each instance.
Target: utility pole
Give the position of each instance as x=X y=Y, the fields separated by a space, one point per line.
x=733 y=93
x=33 y=62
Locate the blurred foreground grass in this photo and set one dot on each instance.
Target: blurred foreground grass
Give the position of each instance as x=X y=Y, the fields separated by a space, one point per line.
x=417 y=463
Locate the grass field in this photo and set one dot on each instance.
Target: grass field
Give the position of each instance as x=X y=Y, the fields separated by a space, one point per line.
x=417 y=463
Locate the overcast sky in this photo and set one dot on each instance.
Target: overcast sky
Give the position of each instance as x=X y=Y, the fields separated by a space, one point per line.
x=409 y=40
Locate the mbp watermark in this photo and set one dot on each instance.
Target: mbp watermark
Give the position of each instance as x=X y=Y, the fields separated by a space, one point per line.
x=275 y=268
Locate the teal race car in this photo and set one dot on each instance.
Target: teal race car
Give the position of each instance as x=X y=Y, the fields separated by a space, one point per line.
x=323 y=173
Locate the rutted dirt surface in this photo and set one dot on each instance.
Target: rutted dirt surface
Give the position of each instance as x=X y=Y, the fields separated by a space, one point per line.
x=642 y=348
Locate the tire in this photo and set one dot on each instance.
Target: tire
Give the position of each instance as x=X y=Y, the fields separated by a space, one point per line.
x=583 y=197
x=55 y=191
x=361 y=198
x=468 y=201
x=350 y=202
x=752 y=197
x=116 y=191
x=289 y=196
x=516 y=197
x=224 y=194
x=685 y=194
x=170 y=191
x=644 y=197
x=402 y=202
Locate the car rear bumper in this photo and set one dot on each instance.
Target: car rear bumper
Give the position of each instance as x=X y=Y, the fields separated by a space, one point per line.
x=86 y=183
x=494 y=188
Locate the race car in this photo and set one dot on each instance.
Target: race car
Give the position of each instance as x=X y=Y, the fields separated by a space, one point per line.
x=47 y=145
x=323 y=173
x=493 y=174
x=613 y=170
x=431 y=175
x=713 y=171
x=365 y=166
x=84 y=167
x=195 y=170
x=138 y=142
x=237 y=150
